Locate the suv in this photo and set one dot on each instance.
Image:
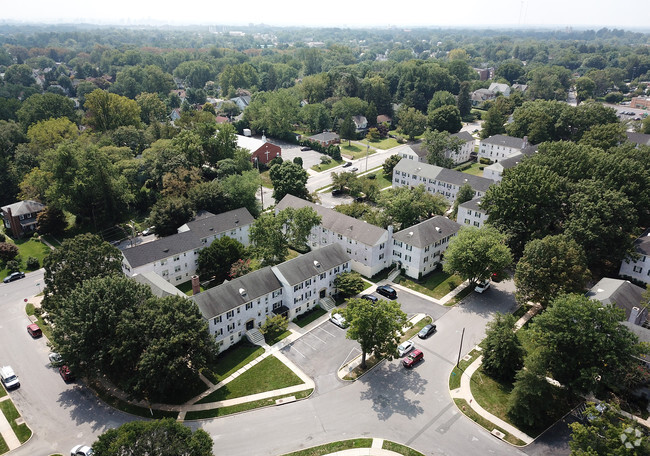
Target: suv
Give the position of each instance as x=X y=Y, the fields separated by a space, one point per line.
x=34 y=330
x=387 y=291
x=413 y=358
x=482 y=286
x=370 y=298
x=8 y=377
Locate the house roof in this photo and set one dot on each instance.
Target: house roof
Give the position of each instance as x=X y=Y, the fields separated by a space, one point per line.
x=418 y=148
x=383 y=118
x=464 y=135
x=359 y=120
x=640 y=139
x=427 y=232
x=450 y=176
x=473 y=204
x=208 y=224
x=162 y=248
x=507 y=141
x=250 y=143
x=622 y=293
x=227 y=296
x=339 y=223
x=325 y=136
x=159 y=286
x=316 y=262
x=642 y=243
x=497 y=87
x=23 y=207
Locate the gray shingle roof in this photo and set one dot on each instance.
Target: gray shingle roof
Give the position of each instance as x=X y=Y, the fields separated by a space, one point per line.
x=211 y=224
x=159 y=286
x=641 y=139
x=325 y=136
x=511 y=161
x=464 y=135
x=428 y=232
x=339 y=223
x=642 y=243
x=161 y=248
x=226 y=296
x=459 y=178
x=24 y=207
x=303 y=267
x=474 y=204
x=502 y=140
x=615 y=291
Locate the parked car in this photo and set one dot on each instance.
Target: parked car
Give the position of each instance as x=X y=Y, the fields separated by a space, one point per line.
x=56 y=359
x=9 y=378
x=405 y=347
x=354 y=170
x=66 y=374
x=305 y=149
x=482 y=286
x=337 y=192
x=346 y=164
x=427 y=331
x=388 y=291
x=34 y=330
x=148 y=231
x=370 y=298
x=413 y=358
x=339 y=321
x=14 y=276
x=81 y=450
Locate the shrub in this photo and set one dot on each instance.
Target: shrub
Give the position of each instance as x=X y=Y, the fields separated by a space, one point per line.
x=13 y=265
x=33 y=263
x=274 y=326
x=324 y=159
x=485 y=161
x=8 y=251
x=3 y=238
x=297 y=161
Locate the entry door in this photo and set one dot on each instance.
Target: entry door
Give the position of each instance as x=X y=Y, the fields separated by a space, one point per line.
x=250 y=325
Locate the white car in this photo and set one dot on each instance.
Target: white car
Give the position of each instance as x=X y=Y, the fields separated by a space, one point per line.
x=81 y=450
x=338 y=320
x=405 y=347
x=482 y=286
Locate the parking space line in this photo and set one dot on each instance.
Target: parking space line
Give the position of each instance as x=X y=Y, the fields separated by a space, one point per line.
x=314 y=335
x=298 y=351
x=323 y=329
x=305 y=342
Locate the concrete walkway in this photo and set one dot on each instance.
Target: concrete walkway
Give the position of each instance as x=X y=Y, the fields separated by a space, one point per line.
x=6 y=431
x=442 y=301
x=374 y=450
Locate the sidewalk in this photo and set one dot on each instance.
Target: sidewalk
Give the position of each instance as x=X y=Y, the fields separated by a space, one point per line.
x=465 y=390
x=6 y=431
x=442 y=301
x=374 y=450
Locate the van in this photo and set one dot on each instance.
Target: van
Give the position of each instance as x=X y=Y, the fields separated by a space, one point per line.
x=8 y=377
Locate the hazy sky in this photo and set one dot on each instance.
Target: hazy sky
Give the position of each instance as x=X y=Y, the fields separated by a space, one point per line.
x=629 y=14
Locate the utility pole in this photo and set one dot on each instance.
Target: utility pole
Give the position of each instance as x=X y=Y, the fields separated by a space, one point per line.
x=367 y=153
x=461 y=347
x=257 y=164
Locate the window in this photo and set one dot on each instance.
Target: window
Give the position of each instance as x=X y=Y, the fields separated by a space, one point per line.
x=477 y=224
x=165 y=273
x=409 y=247
x=469 y=212
x=249 y=305
x=277 y=305
x=179 y=278
x=216 y=320
x=340 y=237
x=426 y=249
x=322 y=276
x=638 y=269
x=177 y=258
x=298 y=309
x=407 y=257
x=426 y=258
x=467 y=221
x=381 y=246
x=230 y=314
x=163 y=262
x=219 y=332
x=381 y=256
x=177 y=269
x=349 y=251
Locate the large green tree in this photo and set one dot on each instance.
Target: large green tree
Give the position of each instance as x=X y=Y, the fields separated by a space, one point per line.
x=154 y=438
x=46 y=106
x=477 y=253
x=298 y=224
x=288 y=179
x=268 y=239
x=349 y=283
x=550 y=267
x=445 y=118
x=407 y=206
x=412 y=122
x=503 y=354
x=437 y=144
x=170 y=213
x=216 y=260
x=376 y=326
x=493 y=123
x=108 y=111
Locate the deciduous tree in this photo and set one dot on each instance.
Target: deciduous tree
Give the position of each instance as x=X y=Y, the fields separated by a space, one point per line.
x=215 y=261
x=170 y=213
x=503 y=354
x=407 y=206
x=349 y=283
x=288 y=179
x=412 y=122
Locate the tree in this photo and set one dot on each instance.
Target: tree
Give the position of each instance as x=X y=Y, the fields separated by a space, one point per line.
x=477 y=253
x=605 y=136
x=583 y=361
x=274 y=326
x=376 y=326
x=216 y=260
x=438 y=144
x=389 y=164
x=407 y=206
x=493 y=123
x=268 y=239
x=80 y=258
x=170 y=213
x=412 y=122
x=240 y=268
x=152 y=108
x=51 y=220
x=19 y=74
x=440 y=99
x=347 y=129
x=445 y=118
x=550 y=267
x=465 y=193
x=511 y=70
x=108 y=111
x=605 y=431
x=503 y=354
x=298 y=224
x=585 y=88
x=46 y=106
x=464 y=101
x=154 y=438
x=288 y=179
x=349 y=283
x=274 y=112
x=8 y=251
x=46 y=134
x=316 y=117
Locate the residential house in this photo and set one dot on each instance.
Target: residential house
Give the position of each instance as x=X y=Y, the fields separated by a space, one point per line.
x=622 y=294
x=520 y=87
x=436 y=179
x=326 y=138
x=260 y=149
x=159 y=286
x=175 y=258
x=413 y=151
x=640 y=139
x=471 y=213
x=484 y=73
x=639 y=268
x=20 y=218
x=480 y=96
x=503 y=89
x=242 y=101
x=419 y=249
x=360 y=124
x=367 y=245
x=175 y=114
x=498 y=147
x=290 y=289
x=496 y=169
x=383 y=118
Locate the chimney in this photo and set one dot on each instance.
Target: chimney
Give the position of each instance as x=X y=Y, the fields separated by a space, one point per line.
x=525 y=144
x=196 y=286
x=242 y=292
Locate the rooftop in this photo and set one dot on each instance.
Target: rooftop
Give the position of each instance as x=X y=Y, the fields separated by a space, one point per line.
x=622 y=293
x=450 y=176
x=474 y=204
x=506 y=141
x=24 y=207
x=207 y=224
x=316 y=262
x=428 y=232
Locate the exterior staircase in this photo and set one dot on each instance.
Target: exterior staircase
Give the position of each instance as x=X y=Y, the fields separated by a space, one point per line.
x=255 y=337
x=327 y=303
x=393 y=274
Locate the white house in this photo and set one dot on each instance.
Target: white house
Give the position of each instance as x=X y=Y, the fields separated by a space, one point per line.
x=290 y=289
x=622 y=294
x=500 y=88
x=638 y=269
x=446 y=182
x=360 y=123
x=175 y=258
x=471 y=213
x=366 y=244
x=497 y=147
x=419 y=248
x=417 y=152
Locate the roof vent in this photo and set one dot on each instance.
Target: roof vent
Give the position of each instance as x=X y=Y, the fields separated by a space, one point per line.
x=410 y=234
x=211 y=228
x=242 y=292
x=236 y=222
x=438 y=229
x=317 y=264
x=350 y=228
x=165 y=250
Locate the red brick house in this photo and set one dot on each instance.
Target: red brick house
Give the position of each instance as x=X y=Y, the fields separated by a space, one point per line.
x=20 y=218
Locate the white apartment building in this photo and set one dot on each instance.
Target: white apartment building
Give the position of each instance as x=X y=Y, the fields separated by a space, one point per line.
x=419 y=248
x=175 y=258
x=446 y=182
x=470 y=213
x=638 y=269
x=498 y=147
x=367 y=245
x=417 y=152
x=290 y=289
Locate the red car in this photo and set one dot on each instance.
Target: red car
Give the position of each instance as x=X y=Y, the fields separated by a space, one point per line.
x=66 y=374
x=413 y=358
x=34 y=330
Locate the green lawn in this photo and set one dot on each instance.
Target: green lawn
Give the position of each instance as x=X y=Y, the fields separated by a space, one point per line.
x=355 y=151
x=266 y=179
x=309 y=316
x=333 y=447
x=382 y=180
x=475 y=169
x=27 y=247
x=268 y=375
x=324 y=167
x=490 y=394
x=22 y=431
x=384 y=144
x=460 y=296
x=130 y=408
x=233 y=359
x=186 y=287
x=412 y=331
x=454 y=377
x=47 y=330
x=400 y=449
x=277 y=338
x=3 y=446
x=437 y=284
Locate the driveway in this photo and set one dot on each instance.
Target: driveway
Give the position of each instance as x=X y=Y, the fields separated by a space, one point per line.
x=290 y=151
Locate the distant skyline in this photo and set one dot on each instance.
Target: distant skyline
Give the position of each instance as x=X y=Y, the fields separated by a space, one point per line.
x=630 y=15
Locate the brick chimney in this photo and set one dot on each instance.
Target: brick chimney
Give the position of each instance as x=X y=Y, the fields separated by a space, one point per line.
x=196 y=286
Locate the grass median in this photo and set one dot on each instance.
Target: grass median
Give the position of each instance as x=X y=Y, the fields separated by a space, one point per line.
x=23 y=433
